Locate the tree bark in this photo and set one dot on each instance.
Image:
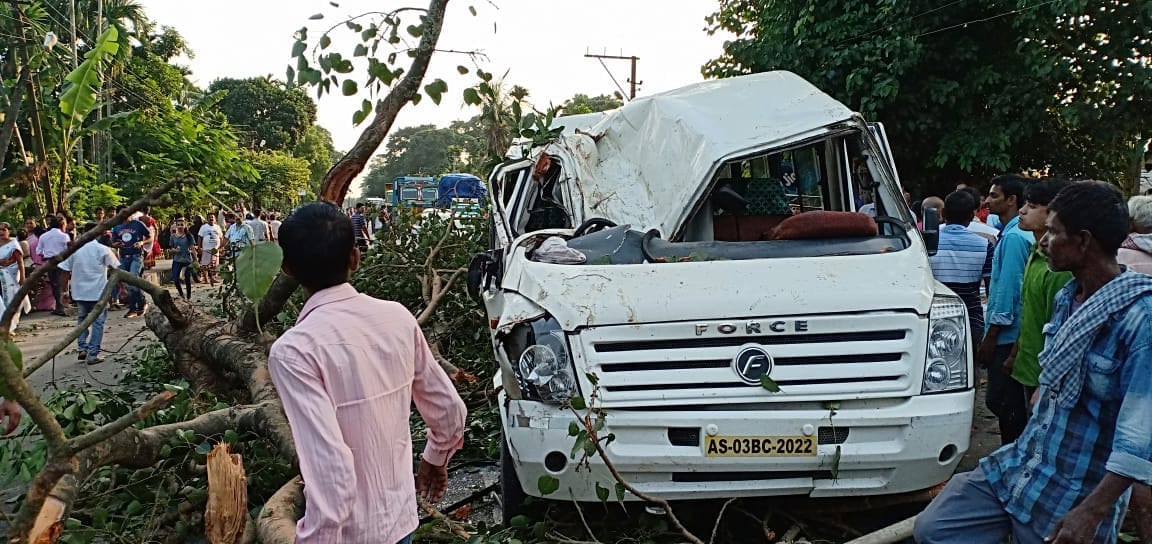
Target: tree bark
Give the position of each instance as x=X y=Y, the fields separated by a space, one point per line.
x=16 y=100
x=339 y=178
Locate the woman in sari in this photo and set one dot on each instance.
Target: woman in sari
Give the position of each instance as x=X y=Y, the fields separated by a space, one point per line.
x=11 y=272
x=41 y=294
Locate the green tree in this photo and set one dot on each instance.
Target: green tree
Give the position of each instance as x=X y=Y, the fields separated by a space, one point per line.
x=316 y=147
x=280 y=178
x=411 y=151
x=272 y=116
x=965 y=89
x=582 y=103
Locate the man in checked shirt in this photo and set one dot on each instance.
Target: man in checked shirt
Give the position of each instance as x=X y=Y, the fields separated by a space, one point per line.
x=348 y=373
x=1067 y=478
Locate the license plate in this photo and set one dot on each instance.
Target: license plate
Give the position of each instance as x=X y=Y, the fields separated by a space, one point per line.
x=759 y=446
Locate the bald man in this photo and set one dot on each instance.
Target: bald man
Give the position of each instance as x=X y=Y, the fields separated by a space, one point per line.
x=933 y=202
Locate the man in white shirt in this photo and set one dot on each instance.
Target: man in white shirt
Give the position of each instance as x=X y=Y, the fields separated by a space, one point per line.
x=274 y=226
x=53 y=243
x=238 y=235
x=89 y=268
x=258 y=226
x=210 y=242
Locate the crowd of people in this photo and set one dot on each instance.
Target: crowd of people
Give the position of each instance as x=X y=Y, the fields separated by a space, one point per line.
x=1068 y=353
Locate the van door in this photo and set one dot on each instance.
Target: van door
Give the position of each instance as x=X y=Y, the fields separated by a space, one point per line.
x=877 y=130
x=506 y=185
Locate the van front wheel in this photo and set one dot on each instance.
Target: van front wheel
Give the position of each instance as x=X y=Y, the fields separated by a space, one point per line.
x=511 y=494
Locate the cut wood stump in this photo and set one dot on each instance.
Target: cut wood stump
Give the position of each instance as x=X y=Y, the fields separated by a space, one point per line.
x=227 y=511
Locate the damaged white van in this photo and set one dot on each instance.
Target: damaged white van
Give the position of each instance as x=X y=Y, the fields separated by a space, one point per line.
x=679 y=249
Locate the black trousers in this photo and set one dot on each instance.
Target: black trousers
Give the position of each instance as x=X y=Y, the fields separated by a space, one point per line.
x=56 y=282
x=1006 y=398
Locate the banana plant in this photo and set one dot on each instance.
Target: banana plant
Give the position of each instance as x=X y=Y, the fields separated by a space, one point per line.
x=81 y=97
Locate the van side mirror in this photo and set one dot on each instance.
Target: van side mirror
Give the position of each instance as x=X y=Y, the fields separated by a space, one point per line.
x=931 y=231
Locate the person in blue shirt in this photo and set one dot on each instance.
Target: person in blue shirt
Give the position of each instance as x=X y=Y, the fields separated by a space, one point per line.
x=963 y=258
x=1005 y=397
x=129 y=238
x=1067 y=478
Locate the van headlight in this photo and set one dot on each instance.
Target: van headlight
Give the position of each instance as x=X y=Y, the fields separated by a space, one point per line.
x=538 y=351
x=946 y=364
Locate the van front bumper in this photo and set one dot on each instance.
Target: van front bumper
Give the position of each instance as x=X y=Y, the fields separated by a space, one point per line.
x=867 y=447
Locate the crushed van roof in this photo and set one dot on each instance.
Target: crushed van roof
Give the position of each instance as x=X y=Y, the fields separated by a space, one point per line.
x=657 y=152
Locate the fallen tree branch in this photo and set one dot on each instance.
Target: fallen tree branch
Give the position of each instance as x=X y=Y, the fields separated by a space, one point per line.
x=456 y=528
x=114 y=427
x=462 y=502
x=719 y=518
x=897 y=532
x=583 y=521
x=672 y=519
x=276 y=523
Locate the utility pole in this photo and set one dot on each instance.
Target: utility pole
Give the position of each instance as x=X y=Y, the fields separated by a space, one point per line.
x=632 y=80
x=98 y=138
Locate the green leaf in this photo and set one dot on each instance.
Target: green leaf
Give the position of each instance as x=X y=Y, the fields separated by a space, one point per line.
x=416 y=98
x=204 y=448
x=348 y=88
x=291 y=75
x=592 y=377
x=256 y=267
x=354 y=26
x=581 y=441
x=435 y=90
x=298 y=48
x=90 y=404
x=165 y=450
x=547 y=484
x=79 y=98
x=316 y=17
x=415 y=31
x=99 y=517
x=325 y=41
x=520 y=522
x=578 y=403
x=769 y=384
x=620 y=492
x=462 y=69
x=133 y=508
x=360 y=51
x=602 y=493
x=472 y=10
x=573 y=428
x=471 y=97
x=231 y=436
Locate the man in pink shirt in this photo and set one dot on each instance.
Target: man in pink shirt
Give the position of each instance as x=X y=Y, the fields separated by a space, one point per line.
x=348 y=386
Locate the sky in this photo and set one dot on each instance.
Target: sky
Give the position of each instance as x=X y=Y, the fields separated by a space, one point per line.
x=540 y=44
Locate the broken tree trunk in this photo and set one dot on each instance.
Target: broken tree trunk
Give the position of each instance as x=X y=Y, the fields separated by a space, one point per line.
x=227 y=511
x=897 y=532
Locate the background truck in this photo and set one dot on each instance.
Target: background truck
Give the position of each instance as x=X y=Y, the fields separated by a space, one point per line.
x=714 y=245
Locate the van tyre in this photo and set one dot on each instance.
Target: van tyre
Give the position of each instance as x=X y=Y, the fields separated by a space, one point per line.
x=511 y=494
